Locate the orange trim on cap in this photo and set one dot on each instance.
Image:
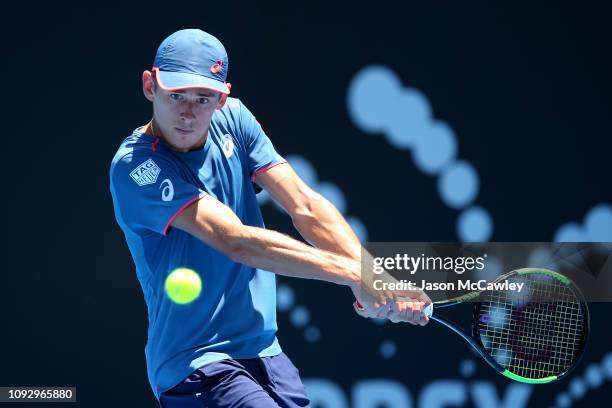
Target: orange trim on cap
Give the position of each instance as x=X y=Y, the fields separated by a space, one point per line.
x=178 y=88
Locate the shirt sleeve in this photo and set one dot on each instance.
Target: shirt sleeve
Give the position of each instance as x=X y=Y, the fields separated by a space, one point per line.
x=260 y=152
x=149 y=192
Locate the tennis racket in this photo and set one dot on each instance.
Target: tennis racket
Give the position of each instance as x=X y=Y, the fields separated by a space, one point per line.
x=533 y=336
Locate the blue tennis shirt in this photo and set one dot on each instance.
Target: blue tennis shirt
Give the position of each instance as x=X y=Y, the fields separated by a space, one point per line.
x=235 y=315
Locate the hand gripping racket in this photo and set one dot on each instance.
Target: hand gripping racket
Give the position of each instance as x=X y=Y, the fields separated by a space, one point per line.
x=533 y=336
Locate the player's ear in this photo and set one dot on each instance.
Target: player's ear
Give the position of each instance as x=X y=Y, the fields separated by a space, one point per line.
x=223 y=97
x=147 y=85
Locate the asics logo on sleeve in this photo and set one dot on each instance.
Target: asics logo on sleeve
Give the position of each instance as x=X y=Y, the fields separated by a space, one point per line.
x=167 y=190
x=227 y=144
x=145 y=173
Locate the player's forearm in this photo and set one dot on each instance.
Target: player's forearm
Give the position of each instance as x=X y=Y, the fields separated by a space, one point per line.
x=281 y=254
x=321 y=224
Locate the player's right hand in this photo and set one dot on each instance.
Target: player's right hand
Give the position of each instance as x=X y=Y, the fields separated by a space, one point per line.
x=372 y=303
x=396 y=306
x=401 y=310
x=409 y=312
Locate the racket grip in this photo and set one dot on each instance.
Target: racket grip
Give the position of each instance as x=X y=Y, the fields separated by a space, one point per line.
x=428 y=309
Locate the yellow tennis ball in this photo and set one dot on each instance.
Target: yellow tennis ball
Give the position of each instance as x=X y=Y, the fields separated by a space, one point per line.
x=183 y=285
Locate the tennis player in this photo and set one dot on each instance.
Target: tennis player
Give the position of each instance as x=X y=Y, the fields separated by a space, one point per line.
x=183 y=190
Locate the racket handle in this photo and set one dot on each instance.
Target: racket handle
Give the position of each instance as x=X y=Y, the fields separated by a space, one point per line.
x=428 y=309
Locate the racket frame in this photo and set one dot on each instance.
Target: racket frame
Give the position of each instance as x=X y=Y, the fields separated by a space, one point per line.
x=474 y=338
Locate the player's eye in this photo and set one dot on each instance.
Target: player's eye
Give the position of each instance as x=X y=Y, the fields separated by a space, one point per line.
x=203 y=101
x=176 y=96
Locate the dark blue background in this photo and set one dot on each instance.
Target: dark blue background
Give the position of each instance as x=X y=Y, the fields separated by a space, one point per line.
x=526 y=89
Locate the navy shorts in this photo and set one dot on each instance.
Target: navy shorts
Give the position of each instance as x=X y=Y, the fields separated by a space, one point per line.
x=264 y=382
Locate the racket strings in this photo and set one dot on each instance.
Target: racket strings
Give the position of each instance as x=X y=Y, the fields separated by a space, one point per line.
x=535 y=333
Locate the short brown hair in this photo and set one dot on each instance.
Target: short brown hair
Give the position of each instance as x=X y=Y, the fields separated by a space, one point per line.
x=154 y=79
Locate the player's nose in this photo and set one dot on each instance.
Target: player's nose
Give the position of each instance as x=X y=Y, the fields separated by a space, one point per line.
x=188 y=113
x=188 y=109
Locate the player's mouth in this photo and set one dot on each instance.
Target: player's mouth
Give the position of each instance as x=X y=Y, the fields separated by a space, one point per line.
x=183 y=131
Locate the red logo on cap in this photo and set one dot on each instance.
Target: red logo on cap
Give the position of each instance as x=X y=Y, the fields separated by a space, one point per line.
x=216 y=67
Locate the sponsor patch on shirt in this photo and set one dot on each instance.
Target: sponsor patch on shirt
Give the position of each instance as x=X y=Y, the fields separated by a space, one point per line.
x=145 y=173
x=227 y=144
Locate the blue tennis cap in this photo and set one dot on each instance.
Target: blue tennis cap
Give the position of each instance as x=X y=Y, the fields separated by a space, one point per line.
x=191 y=58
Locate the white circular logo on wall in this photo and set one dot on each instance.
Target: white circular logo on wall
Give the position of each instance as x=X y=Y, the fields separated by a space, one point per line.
x=227 y=144
x=167 y=190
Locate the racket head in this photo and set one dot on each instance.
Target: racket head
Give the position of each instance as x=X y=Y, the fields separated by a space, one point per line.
x=537 y=335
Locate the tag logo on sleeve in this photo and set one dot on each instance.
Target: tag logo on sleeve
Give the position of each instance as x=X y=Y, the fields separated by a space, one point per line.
x=145 y=173
x=227 y=144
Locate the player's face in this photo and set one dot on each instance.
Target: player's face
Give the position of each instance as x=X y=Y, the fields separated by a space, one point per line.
x=183 y=116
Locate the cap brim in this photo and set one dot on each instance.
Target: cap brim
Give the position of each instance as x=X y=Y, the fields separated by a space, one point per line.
x=172 y=81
